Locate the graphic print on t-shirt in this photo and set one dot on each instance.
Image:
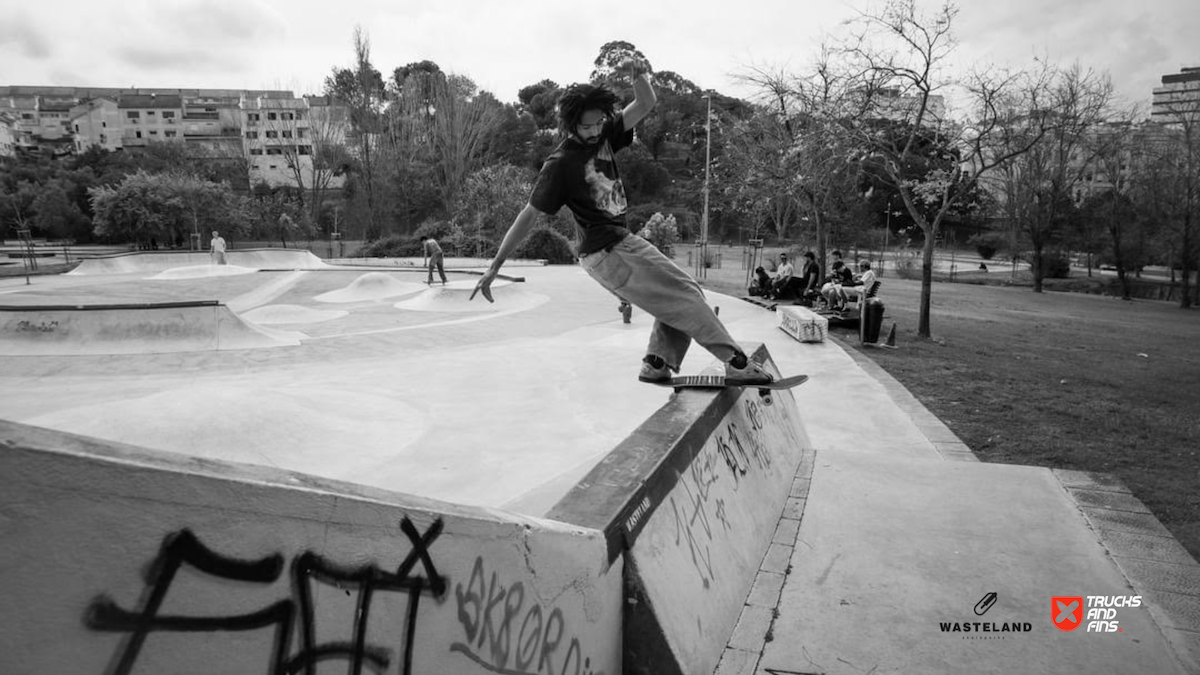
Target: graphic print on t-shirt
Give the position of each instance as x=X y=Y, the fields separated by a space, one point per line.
x=606 y=190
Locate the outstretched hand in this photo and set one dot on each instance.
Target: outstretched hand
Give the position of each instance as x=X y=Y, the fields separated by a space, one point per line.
x=484 y=286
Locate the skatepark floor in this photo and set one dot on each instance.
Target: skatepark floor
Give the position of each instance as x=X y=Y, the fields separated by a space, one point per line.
x=893 y=529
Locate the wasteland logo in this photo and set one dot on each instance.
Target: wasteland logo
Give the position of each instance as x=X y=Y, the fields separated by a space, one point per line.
x=985 y=630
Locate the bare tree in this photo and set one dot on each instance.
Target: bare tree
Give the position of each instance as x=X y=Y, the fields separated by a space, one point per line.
x=896 y=60
x=1183 y=158
x=462 y=122
x=1053 y=171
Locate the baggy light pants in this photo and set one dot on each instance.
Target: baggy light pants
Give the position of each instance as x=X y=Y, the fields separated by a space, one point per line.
x=435 y=262
x=636 y=271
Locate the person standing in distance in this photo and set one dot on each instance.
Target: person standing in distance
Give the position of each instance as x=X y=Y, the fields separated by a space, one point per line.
x=434 y=258
x=216 y=248
x=582 y=175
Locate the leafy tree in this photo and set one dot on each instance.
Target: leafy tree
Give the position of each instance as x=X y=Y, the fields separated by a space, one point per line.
x=165 y=206
x=362 y=90
x=662 y=231
x=489 y=200
x=538 y=101
x=56 y=215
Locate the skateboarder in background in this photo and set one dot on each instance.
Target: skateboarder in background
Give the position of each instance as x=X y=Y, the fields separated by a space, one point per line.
x=433 y=256
x=216 y=248
x=582 y=175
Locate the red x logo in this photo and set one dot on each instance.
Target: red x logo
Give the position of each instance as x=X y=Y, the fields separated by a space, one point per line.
x=1066 y=611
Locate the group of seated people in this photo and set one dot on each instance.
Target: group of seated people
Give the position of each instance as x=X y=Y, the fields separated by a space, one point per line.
x=840 y=286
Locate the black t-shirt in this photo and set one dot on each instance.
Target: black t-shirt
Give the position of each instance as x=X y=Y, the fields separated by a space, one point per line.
x=584 y=178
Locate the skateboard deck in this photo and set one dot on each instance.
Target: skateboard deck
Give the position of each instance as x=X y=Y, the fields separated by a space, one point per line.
x=718 y=382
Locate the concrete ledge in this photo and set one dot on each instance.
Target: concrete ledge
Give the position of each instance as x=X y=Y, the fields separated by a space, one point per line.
x=124 y=559
x=693 y=501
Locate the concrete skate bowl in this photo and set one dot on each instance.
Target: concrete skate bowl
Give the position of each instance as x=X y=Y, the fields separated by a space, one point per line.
x=202 y=564
x=150 y=328
x=159 y=261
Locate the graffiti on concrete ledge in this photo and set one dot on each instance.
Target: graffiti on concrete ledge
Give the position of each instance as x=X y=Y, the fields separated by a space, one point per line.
x=184 y=548
x=501 y=627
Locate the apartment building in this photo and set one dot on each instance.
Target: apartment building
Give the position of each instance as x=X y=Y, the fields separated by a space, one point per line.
x=7 y=138
x=275 y=133
x=96 y=123
x=277 y=140
x=146 y=118
x=1178 y=97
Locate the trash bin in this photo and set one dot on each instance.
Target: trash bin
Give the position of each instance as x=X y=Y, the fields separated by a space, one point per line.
x=872 y=319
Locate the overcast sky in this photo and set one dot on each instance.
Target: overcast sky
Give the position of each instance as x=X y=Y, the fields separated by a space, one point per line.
x=504 y=45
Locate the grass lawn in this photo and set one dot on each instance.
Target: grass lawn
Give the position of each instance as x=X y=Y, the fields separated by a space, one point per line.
x=1061 y=380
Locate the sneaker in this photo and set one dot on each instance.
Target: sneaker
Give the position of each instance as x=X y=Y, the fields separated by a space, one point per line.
x=753 y=373
x=650 y=373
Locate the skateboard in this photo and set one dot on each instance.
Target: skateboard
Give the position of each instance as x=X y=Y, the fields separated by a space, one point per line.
x=718 y=382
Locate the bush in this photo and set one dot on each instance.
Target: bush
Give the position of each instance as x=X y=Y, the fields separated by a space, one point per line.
x=1056 y=266
x=394 y=246
x=544 y=243
x=987 y=244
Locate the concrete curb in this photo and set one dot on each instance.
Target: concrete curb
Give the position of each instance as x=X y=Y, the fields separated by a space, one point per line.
x=754 y=628
x=1147 y=554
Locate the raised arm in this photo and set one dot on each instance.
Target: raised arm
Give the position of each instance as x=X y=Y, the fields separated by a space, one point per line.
x=644 y=97
x=513 y=238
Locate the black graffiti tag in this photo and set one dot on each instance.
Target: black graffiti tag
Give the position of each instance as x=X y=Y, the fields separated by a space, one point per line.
x=183 y=547
x=488 y=612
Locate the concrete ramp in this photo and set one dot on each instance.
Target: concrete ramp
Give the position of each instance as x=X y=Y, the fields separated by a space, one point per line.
x=691 y=501
x=371 y=286
x=120 y=559
x=153 y=328
x=159 y=261
x=455 y=297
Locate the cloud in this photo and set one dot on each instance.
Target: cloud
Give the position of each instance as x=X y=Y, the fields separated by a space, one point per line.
x=21 y=33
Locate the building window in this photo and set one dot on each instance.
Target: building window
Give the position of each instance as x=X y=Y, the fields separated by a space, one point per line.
x=169 y=134
x=256 y=151
x=138 y=134
x=287 y=134
x=153 y=132
x=103 y=125
x=274 y=151
x=253 y=117
x=149 y=113
x=168 y=114
x=304 y=149
x=272 y=134
x=299 y=133
x=132 y=114
x=251 y=134
x=271 y=116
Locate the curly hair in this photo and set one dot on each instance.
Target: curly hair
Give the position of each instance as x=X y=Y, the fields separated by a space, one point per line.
x=580 y=98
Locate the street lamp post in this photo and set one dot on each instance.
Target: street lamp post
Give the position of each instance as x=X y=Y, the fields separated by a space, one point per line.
x=702 y=245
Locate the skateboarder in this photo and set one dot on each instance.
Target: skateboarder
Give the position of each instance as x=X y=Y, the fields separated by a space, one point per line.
x=582 y=175
x=433 y=256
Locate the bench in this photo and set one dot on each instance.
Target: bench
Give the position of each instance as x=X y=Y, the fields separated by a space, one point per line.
x=802 y=323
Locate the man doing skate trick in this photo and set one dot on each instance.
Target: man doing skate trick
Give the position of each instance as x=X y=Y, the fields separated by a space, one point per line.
x=582 y=175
